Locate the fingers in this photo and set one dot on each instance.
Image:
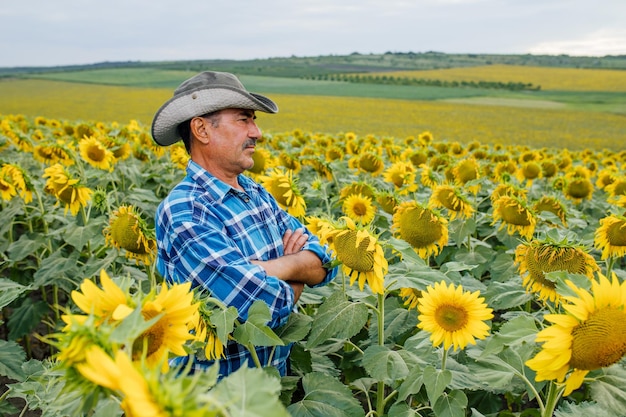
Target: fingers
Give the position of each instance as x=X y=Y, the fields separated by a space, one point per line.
x=294 y=241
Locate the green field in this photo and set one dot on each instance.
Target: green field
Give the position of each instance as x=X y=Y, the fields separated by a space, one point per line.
x=456 y=113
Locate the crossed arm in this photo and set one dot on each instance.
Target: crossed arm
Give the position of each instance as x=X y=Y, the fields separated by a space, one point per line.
x=297 y=267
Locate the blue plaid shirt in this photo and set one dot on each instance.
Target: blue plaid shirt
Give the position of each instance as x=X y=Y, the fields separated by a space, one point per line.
x=208 y=232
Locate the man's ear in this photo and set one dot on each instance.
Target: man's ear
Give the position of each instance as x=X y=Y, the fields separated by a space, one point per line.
x=199 y=129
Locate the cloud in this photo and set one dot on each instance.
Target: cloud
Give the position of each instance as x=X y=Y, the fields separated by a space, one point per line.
x=599 y=43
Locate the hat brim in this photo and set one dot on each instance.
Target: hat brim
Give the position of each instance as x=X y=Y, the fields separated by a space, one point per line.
x=202 y=101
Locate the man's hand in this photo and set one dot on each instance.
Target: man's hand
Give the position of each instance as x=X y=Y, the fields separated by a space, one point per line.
x=297 y=265
x=293 y=242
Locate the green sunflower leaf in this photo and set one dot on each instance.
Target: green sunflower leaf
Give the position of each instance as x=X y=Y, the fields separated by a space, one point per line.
x=451 y=405
x=325 y=396
x=255 y=329
x=250 y=392
x=337 y=318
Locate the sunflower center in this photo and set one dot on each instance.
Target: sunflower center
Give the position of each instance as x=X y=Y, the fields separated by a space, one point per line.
x=398 y=179
x=370 y=163
x=67 y=195
x=580 y=188
x=96 y=153
x=125 y=232
x=466 y=172
x=540 y=260
x=153 y=338
x=357 y=258
x=515 y=214
x=616 y=234
x=448 y=199
x=359 y=208
x=419 y=228
x=278 y=191
x=451 y=317
x=531 y=170
x=620 y=188
x=259 y=163
x=600 y=341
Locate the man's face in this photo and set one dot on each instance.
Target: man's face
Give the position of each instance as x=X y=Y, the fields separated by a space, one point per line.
x=233 y=140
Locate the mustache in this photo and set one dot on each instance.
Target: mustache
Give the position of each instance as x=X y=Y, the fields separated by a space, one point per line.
x=250 y=142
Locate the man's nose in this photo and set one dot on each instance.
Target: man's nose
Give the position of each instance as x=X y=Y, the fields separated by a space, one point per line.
x=254 y=131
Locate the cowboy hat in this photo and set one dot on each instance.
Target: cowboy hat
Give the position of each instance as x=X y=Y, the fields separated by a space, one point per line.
x=204 y=93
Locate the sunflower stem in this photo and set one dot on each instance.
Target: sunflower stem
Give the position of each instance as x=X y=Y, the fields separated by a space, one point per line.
x=552 y=399
x=380 y=395
x=444 y=359
x=609 y=266
x=255 y=357
x=55 y=301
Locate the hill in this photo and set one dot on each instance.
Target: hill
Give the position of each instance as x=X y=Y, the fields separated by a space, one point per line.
x=295 y=66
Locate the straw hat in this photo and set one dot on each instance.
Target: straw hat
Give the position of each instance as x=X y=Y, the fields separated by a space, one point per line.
x=204 y=93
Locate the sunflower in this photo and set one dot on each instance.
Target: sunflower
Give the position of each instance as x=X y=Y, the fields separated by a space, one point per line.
x=387 y=201
x=66 y=189
x=528 y=172
x=334 y=153
x=578 y=189
x=411 y=297
x=7 y=189
x=417 y=158
x=119 y=146
x=180 y=157
x=590 y=335
x=610 y=237
x=425 y=138
x=370 y=162
x=360 y=187
x=359 y=208
x=428 y=177
x=552 y=205
x=206 y=333
x=549 y=168
x=170 y=332
x=360 y=254
x=402 y=176
x=504 y=170
x=616 y=189
x=320 y=166
x=452 y=199
x=538 y=257
x=424 y=229
x=120 y=375
x=317 y=225
x=506 y=188
x=465 y=171
x=287 y=161
x=453 y=317
x=262 y=161
x=19 y=179
x=53 y=153
x=101 y=303
x=515 y=214
x=605 y=178
x=285 y=190
x=128 y=231
x=95 y=153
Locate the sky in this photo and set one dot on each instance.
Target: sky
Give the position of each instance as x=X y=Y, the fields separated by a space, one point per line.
x=74 y=32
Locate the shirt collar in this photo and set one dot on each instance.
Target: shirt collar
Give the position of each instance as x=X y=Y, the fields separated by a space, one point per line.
x=217 y=188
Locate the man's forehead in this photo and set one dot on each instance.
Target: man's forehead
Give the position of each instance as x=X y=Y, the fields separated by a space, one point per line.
x=238 y=112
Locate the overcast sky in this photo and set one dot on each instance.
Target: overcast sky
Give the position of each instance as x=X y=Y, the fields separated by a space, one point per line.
x=66 y=32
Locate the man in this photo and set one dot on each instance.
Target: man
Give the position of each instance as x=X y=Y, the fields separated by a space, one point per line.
x=219 y=229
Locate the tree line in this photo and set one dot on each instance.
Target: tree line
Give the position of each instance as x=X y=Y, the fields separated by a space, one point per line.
x=413 y=81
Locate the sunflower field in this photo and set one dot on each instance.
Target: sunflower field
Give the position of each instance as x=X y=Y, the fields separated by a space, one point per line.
x=475 y=279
